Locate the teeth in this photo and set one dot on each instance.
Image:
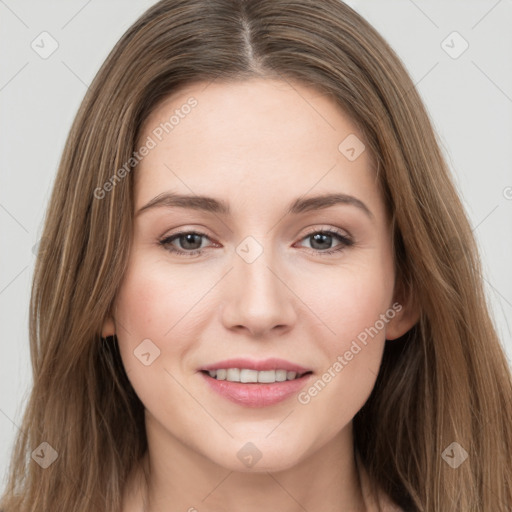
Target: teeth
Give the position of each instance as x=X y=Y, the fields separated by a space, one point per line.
x=271 y=376
x=281 y=375
x=247 y=376
x=233 y=374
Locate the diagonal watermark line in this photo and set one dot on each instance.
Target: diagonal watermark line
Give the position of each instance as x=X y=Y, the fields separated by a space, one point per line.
x=413 y=88
x=488 y=12
x=217 y=486
x=301 y=300
x=498 y=292
x=204 y=408
x=371 y=371
x=68 y=477
x=311 y=106
x=75 y=74
x=219 y=219
x=12 y=280
x=281 y=422
x=426 y=73
x=14 y=76
x=75 y=15
x=122 y=326
x=3 y=3
x=424 y=14
x=284 y=79
x=492 y=81
x=12 y=421
x=198 y=302
x=284 y=489
x=287 y=81
x=402 y=96
x=13 y=217
x=210 y=82
x=311 y=188
x=481 y=222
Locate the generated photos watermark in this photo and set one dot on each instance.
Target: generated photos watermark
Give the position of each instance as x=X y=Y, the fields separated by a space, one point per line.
x=304 y=397
x=150 y=143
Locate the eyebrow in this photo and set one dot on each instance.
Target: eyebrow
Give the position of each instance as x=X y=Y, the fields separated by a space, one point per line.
x=212 y=205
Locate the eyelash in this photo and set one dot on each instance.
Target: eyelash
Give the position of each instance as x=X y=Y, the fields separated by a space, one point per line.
x=345 y=242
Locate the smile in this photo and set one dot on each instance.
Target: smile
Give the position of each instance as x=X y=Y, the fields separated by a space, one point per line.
x=246 y=375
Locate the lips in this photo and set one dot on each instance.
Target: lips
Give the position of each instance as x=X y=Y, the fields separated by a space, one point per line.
x=251 y=364
x=256 y=394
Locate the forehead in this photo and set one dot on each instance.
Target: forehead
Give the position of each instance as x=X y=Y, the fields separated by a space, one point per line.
x=259 y=136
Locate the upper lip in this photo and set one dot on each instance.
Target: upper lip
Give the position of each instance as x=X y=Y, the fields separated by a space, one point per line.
x=251 y=364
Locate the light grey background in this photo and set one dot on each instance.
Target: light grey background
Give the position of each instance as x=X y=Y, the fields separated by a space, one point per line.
x=469 y=99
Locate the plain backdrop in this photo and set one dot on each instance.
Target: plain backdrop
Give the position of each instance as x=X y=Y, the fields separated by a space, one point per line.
x=467 y=91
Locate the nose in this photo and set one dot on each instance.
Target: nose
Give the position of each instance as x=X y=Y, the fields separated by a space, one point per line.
x=259 y=298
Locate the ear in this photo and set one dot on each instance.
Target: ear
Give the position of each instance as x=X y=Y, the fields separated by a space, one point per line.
x=109 y=327
x=407 y=312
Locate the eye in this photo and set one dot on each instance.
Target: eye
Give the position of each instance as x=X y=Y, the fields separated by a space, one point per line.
x=322 y=239
x=189 y=240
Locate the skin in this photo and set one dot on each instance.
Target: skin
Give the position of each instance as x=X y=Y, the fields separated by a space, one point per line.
x=258 y=145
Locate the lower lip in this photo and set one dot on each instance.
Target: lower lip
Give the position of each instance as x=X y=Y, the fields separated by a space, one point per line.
x=256 y=395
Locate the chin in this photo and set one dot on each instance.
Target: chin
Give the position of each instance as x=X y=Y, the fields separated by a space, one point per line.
x=260 y=456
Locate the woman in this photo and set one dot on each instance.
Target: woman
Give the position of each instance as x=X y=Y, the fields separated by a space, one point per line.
x=221 y=376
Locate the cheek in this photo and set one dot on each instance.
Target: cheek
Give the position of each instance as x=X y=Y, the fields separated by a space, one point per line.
x=146 y=308
x=353 y=350
x=154 y=296
x=166 y=305
x=149 y=306
x=358 y=296
x=357 y=310
x=139 y=301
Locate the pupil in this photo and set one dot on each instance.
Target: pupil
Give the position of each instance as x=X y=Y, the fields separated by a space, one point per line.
x=188 y=239
x=319 y=236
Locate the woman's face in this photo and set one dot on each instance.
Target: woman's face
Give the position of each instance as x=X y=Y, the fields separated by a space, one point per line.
x=280 y=275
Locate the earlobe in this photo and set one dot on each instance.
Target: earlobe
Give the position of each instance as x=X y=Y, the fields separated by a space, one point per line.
x=109 y=328
x=407 y=315
x=403 y=321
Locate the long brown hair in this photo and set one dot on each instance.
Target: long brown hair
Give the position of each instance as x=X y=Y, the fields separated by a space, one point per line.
x=445 y=381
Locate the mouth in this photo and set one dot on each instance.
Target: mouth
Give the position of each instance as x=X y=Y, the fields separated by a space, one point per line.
x=249 y=376
x=250 y=382
x=248 y=370
x=252 y=388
